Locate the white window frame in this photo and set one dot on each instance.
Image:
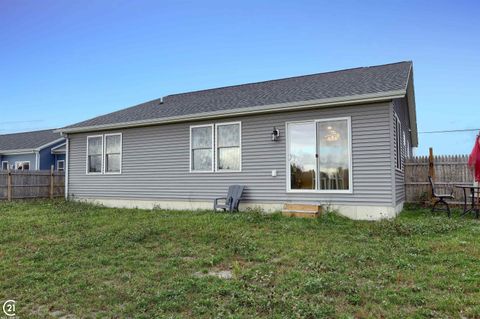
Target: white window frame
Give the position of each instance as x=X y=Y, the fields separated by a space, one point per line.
x=3 y=169
x=350 y=163
x=239 y=147
x=17 y=162
x=86 y=156
x=105 y=153
x=398 y=144
x=63 y=168
x=191 y=150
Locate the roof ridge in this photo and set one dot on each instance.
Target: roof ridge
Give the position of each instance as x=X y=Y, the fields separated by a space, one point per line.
x=286 y=78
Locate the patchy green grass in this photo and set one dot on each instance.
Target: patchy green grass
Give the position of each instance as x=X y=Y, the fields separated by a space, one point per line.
x=59 y=259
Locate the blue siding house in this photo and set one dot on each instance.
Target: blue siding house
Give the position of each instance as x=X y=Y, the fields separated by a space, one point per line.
x=36 y=150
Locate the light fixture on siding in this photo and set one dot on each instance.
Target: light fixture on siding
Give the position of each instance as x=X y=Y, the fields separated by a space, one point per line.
x=275 y=134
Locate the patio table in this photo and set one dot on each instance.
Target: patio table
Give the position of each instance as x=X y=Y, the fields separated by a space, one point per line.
x=474 y=206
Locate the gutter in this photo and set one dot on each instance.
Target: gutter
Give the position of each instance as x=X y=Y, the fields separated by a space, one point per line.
x=262 y=109
x=412 y=108
x=19 y=151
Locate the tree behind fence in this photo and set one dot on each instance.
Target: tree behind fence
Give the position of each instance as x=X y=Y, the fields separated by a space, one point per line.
x=31 y=184
x=450 y=170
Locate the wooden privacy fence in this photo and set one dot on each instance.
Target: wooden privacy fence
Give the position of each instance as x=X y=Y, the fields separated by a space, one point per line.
x=448 y=171
x=31 y=184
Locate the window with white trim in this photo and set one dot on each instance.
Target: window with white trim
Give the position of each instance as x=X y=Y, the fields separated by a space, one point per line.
x=201 y=148
x=60 y=165
x=113 y=153
x=398 y=144
x=95 y=154
x=228 y=147
x=4 y=165
x=319 y=156
x=22 y=165
x=216 y=147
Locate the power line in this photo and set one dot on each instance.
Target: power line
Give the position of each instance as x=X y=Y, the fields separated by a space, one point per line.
x=450 y=131
x=18 y=122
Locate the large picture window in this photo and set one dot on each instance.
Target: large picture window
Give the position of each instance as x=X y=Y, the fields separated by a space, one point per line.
x=113 y=153
x=228 y=147
x=201 y=156
x=319 y=155
x=94 y=154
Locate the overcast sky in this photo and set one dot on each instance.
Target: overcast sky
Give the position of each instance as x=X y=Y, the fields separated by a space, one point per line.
x=62 y=62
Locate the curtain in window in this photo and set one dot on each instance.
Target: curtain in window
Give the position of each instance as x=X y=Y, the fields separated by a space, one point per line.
x=202 y=148
x=228 y=147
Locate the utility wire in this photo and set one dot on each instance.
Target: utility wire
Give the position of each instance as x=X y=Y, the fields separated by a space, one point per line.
x=450 y=131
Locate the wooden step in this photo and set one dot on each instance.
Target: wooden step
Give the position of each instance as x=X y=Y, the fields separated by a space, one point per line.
x=301 y=210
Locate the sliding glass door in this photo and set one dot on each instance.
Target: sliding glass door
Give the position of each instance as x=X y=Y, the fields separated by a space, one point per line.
x=319 y=155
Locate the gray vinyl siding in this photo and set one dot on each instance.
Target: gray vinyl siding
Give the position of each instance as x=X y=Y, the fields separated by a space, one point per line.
x=155 y=162
x=400 y=109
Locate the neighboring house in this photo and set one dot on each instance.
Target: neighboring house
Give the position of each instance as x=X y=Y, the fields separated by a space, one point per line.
x=36 y=150
x=336 y=138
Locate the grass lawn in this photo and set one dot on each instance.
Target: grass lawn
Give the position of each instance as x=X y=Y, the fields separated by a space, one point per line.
x=72 y=260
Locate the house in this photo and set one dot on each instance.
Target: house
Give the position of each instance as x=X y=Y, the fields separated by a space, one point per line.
x=36 y=150
x=338 y=139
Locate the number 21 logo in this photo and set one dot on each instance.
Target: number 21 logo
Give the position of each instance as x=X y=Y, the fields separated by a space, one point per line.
x=9 y=308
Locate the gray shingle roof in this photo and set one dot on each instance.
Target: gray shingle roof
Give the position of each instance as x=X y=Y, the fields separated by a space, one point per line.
x=344 y=83
x=27 y=140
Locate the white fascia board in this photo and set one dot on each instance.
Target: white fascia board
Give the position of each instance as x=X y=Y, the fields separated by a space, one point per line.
x=321 y=103
x=49 y=144
x=58 y=146
x=55 y=150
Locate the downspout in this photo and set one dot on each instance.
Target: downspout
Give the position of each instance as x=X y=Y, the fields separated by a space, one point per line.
x=66 y=165
x=37 y=160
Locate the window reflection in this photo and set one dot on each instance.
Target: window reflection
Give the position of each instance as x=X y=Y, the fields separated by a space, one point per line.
x=302 y=155
x=333 y=154
x=330 y=140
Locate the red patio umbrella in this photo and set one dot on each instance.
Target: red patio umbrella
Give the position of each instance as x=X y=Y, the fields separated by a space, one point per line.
x=474 y=159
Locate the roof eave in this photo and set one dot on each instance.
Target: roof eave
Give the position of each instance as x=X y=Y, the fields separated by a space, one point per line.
x=58 y=140
x=291 y=106
x=58 y=149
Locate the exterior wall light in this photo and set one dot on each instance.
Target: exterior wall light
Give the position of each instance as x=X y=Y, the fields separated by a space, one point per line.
x=275 y=134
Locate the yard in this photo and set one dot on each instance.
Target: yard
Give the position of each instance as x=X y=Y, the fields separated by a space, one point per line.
x=71 y=260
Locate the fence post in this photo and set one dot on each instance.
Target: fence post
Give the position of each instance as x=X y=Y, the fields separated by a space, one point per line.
x=9 y=185
x=431 y=171
x=51 y=182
